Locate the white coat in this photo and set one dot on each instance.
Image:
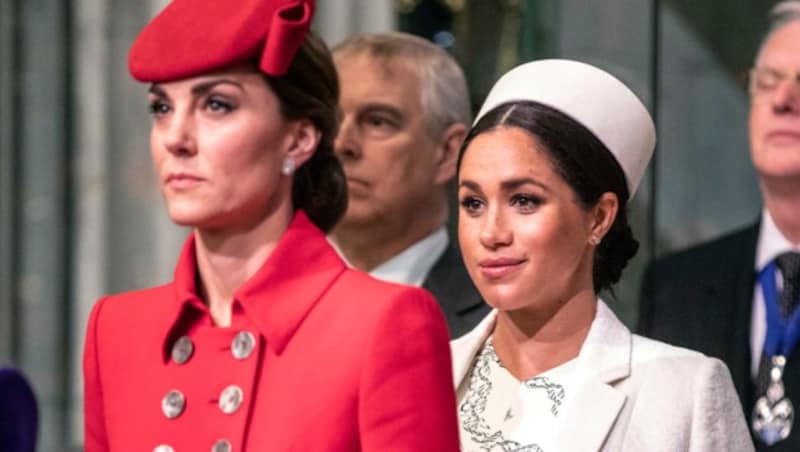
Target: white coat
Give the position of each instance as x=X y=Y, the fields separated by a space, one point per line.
x=635 y=394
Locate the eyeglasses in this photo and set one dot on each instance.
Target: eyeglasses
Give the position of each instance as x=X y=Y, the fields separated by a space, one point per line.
x=764 y=80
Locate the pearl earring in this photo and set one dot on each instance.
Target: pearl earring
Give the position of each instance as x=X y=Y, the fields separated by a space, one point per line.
x=288 y=166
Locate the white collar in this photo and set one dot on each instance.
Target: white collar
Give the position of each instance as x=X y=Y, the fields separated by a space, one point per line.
x=413 y=264
x=771 y=242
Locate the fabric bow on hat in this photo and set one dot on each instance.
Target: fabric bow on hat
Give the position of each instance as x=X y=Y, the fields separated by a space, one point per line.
x=192 y=37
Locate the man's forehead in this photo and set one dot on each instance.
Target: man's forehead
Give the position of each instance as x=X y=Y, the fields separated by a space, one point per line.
x=369 y=82
x=782 y=46
x=386 y=67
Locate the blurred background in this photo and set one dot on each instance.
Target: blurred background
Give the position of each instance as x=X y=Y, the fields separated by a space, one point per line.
x=80 y=215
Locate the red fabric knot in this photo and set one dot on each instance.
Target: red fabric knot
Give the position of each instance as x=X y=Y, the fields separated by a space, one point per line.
x=290 y=25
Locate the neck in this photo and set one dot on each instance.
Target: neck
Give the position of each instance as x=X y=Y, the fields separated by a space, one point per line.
x=782 y=200
x=228 y=258
x=531 y=341
x=366 y=246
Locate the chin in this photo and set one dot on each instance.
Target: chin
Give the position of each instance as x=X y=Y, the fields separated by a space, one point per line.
x=780 y=170
x=504 y=298
x=190 y=216
x=358 y=216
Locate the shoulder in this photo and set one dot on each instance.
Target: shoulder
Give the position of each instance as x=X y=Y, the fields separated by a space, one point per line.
x=663 y=361
x=691 y=395
x=136 y=300
x=375 y=298
x=130 y=308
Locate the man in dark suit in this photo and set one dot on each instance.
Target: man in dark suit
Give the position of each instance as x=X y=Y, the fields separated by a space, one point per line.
x=406 y=112
x=718 y=296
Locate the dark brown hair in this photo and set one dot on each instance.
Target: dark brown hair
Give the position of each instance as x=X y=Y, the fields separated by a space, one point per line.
x=310 y=89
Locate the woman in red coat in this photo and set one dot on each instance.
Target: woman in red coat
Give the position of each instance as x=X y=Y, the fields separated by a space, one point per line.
x=264 y=340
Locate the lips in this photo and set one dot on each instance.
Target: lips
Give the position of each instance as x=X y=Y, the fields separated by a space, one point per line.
x=182 y=180
x=357 y=186
x=496 y=268
x=784 y=135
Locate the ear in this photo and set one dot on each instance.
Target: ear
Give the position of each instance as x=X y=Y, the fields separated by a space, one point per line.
x=447 y=154
x=304 y=139
x=602 y=216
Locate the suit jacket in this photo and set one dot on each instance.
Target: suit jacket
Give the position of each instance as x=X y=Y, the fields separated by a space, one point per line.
x=450 y=283
x=702 y=298
x=340 y=362
x=636 y=394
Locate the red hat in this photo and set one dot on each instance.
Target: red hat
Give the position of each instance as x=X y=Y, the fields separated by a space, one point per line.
x=190 y=37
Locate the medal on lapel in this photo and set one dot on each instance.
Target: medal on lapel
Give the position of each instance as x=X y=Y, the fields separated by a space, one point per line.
x=773 y=414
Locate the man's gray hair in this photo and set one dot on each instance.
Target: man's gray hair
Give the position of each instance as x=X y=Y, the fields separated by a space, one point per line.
x=444 y=96
x=782 y=13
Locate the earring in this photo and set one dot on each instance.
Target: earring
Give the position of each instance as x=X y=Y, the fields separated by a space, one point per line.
x=288 y=166
x=594 y=241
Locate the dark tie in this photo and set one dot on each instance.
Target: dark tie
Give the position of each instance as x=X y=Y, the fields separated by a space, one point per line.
x=789 y=265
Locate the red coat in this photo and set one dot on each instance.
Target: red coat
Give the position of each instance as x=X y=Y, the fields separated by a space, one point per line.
x=340 y=362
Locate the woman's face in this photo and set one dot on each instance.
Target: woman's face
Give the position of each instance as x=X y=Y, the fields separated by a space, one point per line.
x=218 y=142
x=523 y=237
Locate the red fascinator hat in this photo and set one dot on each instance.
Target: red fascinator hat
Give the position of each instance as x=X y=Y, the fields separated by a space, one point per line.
x=190 y=37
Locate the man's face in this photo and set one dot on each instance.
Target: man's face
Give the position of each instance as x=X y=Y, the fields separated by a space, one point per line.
x=389 y=157
x=775 y=106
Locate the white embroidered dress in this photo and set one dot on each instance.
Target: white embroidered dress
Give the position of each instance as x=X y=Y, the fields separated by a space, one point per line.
x=498 y=413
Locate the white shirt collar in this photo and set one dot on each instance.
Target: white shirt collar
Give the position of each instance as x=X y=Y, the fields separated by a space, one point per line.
x=413 y=264
x=771 y=242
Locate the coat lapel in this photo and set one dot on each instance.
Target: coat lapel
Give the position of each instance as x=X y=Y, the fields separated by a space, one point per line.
x=589 y=417
x=604 y=359
x=467 y=346
x=744 y=285
x=730 y=304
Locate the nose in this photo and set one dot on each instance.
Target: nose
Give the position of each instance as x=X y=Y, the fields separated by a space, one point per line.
x=495 y=231
x=786 y=98
x=178 y=134
x=347 y=145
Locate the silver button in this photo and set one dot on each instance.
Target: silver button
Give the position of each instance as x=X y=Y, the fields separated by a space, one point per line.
x=182 y=350
x=230 y=399
x=243 y=345
x=163 y=448
x=172 y=404
x=222 y=445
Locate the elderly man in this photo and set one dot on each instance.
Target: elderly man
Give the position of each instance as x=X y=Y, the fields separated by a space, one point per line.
x=406 y=112
x=735 y=297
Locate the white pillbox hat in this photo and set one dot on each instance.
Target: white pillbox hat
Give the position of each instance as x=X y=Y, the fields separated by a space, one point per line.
x=590 y=96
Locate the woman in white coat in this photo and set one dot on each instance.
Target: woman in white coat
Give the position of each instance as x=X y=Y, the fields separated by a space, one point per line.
x=545 y=174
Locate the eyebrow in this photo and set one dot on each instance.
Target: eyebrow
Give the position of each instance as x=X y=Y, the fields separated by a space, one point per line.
x=507 y=185
x=513 y=184
x=199 y=89
x=381 y=108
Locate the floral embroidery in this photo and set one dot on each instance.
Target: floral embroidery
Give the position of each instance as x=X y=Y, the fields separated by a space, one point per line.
x=491 y=438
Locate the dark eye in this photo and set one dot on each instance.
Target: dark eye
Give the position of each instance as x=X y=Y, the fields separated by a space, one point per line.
x=378 y=126
x=471 y=205
x=218 y=105
x=158 y=107
x=376 y=121
x=526 y=203
x=765 y=79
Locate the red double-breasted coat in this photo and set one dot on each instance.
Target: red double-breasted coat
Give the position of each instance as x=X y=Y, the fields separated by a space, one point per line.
x=334 y=361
